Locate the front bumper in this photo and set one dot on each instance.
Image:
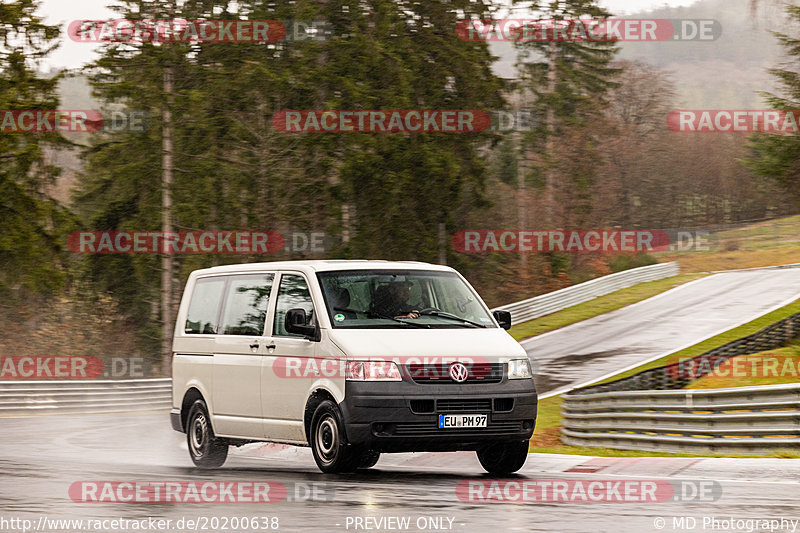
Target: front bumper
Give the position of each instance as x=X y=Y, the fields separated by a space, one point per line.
x=404 y=416
x=176 y=420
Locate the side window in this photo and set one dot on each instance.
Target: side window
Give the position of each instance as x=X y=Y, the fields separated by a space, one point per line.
x=246 y=303
x=293 y=293
x=204 y=306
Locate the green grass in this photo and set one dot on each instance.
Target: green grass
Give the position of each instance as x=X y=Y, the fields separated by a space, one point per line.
x=598 y=306
x=750 y=371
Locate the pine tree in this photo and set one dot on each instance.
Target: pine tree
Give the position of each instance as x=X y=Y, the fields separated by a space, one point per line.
x=130 y=175
x=30 y=246
x=568 y=81
x=776 y=156
x=398 y=188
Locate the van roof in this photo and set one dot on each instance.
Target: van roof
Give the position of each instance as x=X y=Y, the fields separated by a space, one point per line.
x=325 y=265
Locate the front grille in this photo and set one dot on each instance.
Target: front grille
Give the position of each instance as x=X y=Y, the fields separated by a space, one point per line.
x=431 y=429
x=440 y=373
x=423 y=406
x=503 y=404
x=463 y=405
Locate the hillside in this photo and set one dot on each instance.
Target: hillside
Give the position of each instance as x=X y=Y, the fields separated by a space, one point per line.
x=726 y=73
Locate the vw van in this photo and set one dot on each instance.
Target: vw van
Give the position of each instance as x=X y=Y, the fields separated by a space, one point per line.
x=351 y=358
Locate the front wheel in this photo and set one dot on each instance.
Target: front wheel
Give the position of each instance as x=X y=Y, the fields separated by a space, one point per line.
x=369 y=459
x=329 y=444
x=503 y=457
x=206 y=450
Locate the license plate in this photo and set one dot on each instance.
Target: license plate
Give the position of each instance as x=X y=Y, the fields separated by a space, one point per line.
x=462 y=421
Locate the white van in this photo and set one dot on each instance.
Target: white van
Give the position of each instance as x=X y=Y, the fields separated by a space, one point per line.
x=352 y=358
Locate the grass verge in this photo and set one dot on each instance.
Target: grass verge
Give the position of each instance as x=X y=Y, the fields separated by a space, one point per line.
x=771 y=367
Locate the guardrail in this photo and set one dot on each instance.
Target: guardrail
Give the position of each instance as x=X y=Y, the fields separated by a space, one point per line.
x=84 y=396
x=583 y=292
x=734 y=420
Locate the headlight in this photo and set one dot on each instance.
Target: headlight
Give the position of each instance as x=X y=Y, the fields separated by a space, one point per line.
x=519 y=369
x=372 y=371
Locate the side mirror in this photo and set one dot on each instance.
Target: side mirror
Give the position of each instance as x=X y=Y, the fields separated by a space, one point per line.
x=503 y=318
x=295 y=322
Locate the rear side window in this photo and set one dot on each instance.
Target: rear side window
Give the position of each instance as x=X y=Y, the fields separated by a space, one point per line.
x=204 y=306
x=246 y=303
x=293 y=293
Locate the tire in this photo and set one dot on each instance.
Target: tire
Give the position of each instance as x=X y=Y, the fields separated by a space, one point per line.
x=503 y=457
x=206 y=450
x=369 y=459
x=329 y=445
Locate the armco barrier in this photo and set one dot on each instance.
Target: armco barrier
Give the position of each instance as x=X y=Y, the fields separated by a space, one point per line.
x=735 y=420
x=651 y=411
x=567 y=297
x=84 y=396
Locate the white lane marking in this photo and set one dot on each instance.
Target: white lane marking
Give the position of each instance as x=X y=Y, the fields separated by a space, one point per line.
x=774 y=267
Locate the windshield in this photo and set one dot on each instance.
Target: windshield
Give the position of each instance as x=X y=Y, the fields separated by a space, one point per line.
x=401 y=299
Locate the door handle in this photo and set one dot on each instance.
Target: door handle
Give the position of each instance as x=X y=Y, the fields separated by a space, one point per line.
x=254 y=346
x=270 y=346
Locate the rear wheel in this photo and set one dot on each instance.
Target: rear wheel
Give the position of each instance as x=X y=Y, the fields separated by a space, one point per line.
x=328 y=441
x=503 y=457
x=206 y=450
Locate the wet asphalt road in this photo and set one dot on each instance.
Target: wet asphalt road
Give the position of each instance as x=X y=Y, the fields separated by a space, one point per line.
x=41 y=457
x=592 y=349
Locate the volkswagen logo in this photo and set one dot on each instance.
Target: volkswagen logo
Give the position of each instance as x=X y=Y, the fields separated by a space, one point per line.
x=459 y=373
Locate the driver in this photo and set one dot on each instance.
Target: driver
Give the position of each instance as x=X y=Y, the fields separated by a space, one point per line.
x=392 y=300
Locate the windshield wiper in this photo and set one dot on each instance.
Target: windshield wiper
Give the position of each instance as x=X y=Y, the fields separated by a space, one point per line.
x=379 y=315
x=443 y=314
x=387 y=317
